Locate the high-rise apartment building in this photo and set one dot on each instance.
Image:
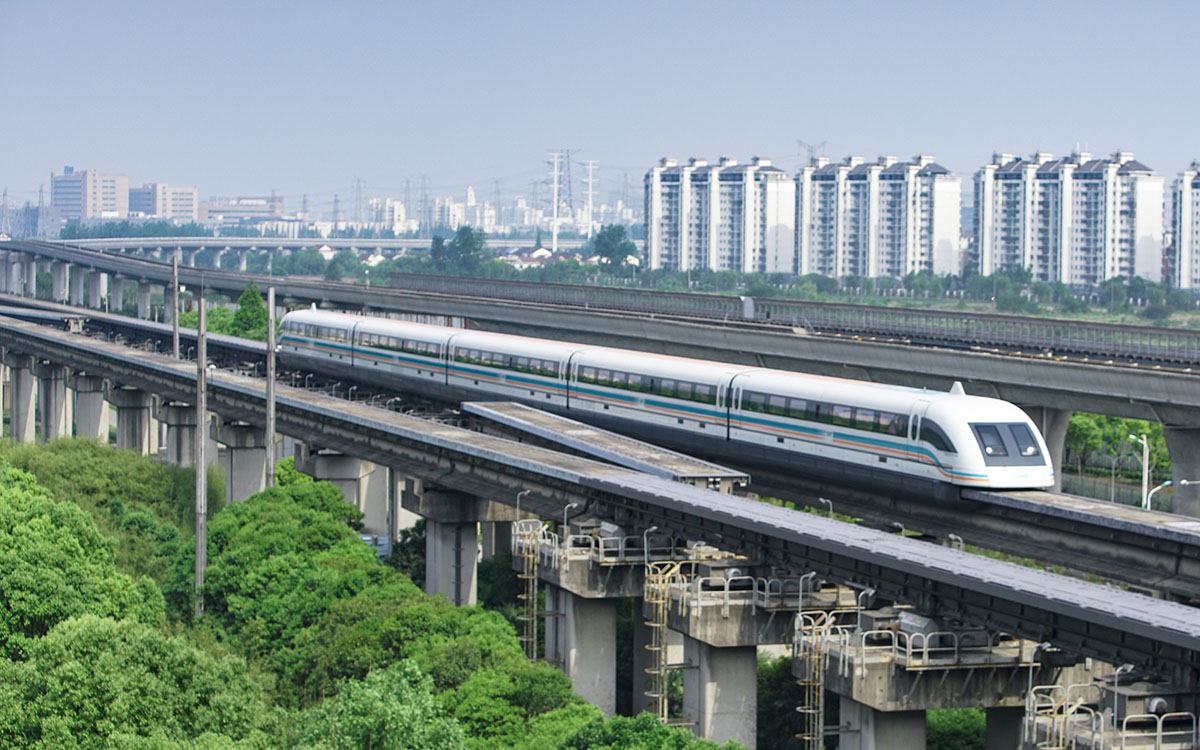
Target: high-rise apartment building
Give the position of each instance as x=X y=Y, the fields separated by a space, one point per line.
x=724 y=216
x=887 y=218
x=1185 y=204
x=1077 y=220
x=89 y=194
x=165 y=201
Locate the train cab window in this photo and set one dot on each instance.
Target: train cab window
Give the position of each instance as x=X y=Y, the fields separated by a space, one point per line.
x=842 y=415
x=754 y=402
x=1026 y=444
x=864 y=419
x=989 y=440
x=934 y=435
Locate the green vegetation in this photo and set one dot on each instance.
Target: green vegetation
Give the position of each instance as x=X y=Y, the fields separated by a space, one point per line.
x=307 y=641
x=955 y=729
x=248 y=321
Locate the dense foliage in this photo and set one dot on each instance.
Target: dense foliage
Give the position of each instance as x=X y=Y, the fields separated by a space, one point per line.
x=248 y=321
x=307 y=641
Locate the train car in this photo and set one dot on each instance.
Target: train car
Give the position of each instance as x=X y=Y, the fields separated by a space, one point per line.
x=843 y=430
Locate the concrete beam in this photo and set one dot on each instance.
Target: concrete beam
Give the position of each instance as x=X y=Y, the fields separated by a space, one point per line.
x=180 y=420
x=365 y=484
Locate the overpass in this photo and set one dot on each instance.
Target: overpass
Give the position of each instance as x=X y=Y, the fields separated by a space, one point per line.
x=1049 y=389
x=388 y=247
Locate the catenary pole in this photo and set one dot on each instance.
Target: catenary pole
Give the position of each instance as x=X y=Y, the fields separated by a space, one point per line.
x=201 y=463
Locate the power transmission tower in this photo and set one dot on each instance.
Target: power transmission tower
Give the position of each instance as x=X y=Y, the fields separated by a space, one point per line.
x=569 y=203
x=304 y=206
x=555 y=165
x=335 y=212
x=4 y=228
x=358 y=199
x=408 y=204
x=426 y=207
x=812 y=148
x=590 y=181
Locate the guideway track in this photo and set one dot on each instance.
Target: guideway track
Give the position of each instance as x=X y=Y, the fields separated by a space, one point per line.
x=1107 y=623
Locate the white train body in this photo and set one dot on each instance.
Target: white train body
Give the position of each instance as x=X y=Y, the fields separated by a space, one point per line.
x=865 y=429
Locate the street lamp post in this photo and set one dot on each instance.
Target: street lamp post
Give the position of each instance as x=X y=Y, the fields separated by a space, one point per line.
x=1116 y=696
x=646 y=542
x=828 y=503
x=520 y=495
x=1182 y=483
x=567 y=510
x=1145 y=467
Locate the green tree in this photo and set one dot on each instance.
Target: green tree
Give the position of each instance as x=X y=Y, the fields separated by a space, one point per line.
x=344 y=265
x=955 y=729
x=390 y=709
x=613 y=247
x=250 y=319
x=1084 y=437
x=466 y=253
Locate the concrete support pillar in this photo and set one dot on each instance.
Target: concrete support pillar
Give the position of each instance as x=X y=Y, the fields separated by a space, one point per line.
x=241 y=261
x=451 y=551
x=495 y=537
x=97 y=291
x=54 y=408
x=58 y=280
x=399 y=518
x=31 y=276
x=1052 y=423
x=76 y=276
x=1004 y=728
x=21 y=414
x=16 y=269
x=4 y=264
x=245 y=462
x=91 y=409
x=143 y=300
x=180 y=420
x=364 y=484
x=187 y=258
x=133 y=418
x=583 y=641
x=720 y=692
x=116 y=293
x=1183 y=443
x=868 y=729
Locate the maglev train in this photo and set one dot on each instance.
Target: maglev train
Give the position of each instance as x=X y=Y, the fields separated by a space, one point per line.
x=855 y=432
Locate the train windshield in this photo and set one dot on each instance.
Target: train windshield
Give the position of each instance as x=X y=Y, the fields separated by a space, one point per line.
x=1011 y=444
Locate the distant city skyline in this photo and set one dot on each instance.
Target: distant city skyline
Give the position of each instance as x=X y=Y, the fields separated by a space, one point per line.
x=305 y=99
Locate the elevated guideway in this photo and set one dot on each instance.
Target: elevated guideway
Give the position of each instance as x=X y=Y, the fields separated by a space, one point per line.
x=1148 y=550
x=1110 y=624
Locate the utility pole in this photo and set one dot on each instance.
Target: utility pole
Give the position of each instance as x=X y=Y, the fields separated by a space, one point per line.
x=270 y=426
x=201 y=458
x=590 y=181
x=175 y=305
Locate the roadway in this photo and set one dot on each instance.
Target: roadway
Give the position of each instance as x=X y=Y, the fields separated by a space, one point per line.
x=1101 y=621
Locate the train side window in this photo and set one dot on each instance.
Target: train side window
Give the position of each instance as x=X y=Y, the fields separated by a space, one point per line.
x=754 y=402
x=587 y=374
x=706 y=394
x=843 y=416
x=683 y=391
x=864 y=419
x=777 y=405
x=797 y=408
x=603 y=377
x=666 y=388
x=635 y=381
x=934 y=435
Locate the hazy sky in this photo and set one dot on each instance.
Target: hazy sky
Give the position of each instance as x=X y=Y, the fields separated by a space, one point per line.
x=304 y=97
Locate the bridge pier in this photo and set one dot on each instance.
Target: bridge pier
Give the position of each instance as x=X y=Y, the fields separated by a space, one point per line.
x=582 y=639
x=75 y=279
x=865 y=728
x=21 y=414
x=133 y=419
x=5 y=260
x=364 y=484
x=97 y=289
x=241 y=260
x=91 y=409
x=720 y=691
x=59 y=271
x=1004 y=725
x=1183 y=443
x=116 y=294
x=54 y=408
x=245 y=461
x=1052 y=423
x=31 y=267
x=16 y=284
x=143 y=300
x=180 y=420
